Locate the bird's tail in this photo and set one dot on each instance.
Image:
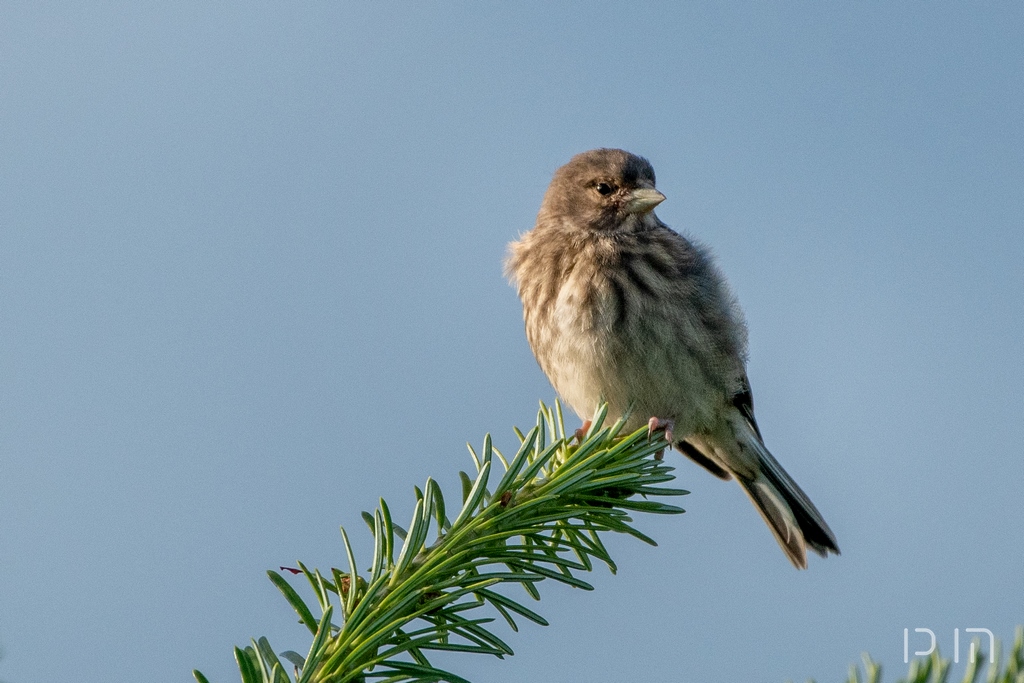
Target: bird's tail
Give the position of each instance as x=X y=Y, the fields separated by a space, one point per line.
x=786 y=509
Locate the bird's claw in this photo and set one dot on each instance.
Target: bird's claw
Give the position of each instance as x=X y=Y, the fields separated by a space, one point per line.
x=655 y=424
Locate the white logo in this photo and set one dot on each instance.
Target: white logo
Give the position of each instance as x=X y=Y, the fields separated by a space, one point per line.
x=956 y=644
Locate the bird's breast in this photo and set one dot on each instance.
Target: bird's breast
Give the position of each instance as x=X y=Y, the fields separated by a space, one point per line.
x=622 y=330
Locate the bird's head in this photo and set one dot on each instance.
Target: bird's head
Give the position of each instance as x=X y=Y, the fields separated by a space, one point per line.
x=604 y=190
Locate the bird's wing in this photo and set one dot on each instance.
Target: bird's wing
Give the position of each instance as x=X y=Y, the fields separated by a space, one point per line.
x=743 y=401
x=691 y=451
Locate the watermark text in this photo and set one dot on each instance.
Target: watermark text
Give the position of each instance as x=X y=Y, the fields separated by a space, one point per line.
x=956 y=644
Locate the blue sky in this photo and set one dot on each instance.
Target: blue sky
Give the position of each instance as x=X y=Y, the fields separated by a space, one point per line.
x=250 y=280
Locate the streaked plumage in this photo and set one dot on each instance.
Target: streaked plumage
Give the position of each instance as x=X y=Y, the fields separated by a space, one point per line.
x=620 y=308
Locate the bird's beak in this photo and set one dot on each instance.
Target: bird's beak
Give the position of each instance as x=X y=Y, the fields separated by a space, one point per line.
x=643 y=199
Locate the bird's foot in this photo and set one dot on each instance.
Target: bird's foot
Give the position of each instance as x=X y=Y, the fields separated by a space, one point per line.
x=581 y=433
x=656 y=423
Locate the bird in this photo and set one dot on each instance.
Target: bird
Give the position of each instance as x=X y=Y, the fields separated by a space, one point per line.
x=620 y=309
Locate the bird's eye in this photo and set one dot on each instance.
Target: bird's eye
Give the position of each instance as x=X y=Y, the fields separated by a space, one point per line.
x=604 y=188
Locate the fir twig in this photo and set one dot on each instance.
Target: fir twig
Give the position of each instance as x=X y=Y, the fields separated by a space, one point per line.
x=536 y=517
